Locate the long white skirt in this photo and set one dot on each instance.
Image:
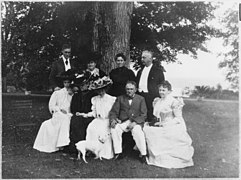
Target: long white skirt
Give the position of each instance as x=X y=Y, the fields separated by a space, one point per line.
x=53 y=133
x=100 y=128
x=169 y=147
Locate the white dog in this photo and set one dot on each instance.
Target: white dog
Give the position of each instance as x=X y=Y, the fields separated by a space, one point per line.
x=93 y=146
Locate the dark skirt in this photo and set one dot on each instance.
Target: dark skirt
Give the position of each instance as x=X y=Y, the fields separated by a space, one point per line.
x=78 y=126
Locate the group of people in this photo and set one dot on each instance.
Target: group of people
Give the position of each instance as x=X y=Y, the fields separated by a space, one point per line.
x=92 y=104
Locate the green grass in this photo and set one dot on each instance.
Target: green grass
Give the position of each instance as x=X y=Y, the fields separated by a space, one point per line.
x=213 y=126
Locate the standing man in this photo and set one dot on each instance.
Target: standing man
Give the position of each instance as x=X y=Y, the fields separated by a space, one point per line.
x=148 y=79
x=128 y=114
x=63 y=64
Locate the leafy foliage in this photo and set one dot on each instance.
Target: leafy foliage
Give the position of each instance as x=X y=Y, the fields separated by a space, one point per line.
x=33 y=33
x=201 y=91
x=230 y=60
x=169 y=28
x=214 y=93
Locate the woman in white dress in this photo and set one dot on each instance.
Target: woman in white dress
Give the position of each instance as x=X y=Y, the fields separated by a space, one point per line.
x=168 y=142
x=54 y=133
x=100 y=126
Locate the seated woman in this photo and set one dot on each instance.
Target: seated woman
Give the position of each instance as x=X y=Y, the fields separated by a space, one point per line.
x=54 y=133
x=78 y=124
x=101 y=106
x=81 y=103
x=168 y=142
x=91 y=74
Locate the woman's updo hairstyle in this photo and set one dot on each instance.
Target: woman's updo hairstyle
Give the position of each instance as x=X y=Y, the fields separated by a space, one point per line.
x=165 y=84
x=120 y=55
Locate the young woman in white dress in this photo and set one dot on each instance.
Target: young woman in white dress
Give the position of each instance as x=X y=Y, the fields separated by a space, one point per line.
x=54 y=133
x=101 y=106
x=168 y=142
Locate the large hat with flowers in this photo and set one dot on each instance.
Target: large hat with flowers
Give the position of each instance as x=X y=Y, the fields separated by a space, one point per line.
x=100 y=83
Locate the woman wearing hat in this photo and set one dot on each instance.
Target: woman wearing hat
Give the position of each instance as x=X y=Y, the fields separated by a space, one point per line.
x=101 y=105
x=54 y=133
x=91 y=73
x=81 y=102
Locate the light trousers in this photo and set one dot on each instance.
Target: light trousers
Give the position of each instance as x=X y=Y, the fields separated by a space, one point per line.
x=137 y=133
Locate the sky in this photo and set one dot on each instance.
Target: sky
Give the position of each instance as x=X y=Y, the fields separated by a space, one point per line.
x=203 y=70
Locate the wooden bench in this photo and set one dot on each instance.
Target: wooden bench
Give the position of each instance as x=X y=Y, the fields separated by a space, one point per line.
x=23 y=118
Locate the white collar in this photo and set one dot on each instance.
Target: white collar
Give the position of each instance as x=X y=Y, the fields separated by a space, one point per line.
x=149 y=67
x=64 y=59
x=94 y=72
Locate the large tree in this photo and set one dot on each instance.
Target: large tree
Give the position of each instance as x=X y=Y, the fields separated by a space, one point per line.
x=33 y=32
x=230 y=60
x=112 y=29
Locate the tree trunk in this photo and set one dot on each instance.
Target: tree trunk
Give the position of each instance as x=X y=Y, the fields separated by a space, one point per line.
x=111 y=31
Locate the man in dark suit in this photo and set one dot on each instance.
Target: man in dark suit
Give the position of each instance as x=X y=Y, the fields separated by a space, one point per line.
x=64 y=63
x=148 y=78
x=128 y=114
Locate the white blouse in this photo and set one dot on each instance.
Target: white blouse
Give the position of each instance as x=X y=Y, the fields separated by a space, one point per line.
x=60 y=100
x=101 y=106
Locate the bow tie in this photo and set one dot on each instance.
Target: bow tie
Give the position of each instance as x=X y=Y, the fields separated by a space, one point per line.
x=130 y=97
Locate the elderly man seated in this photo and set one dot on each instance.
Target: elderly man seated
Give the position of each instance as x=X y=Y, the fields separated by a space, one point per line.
x=128 y=114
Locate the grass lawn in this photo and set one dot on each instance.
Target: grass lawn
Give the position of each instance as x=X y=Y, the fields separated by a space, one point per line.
x=213 y=127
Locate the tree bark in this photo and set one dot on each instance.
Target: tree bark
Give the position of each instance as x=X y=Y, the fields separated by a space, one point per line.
x=111 y=31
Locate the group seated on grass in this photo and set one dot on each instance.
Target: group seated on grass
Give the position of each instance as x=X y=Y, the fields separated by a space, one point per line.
x=163 y=141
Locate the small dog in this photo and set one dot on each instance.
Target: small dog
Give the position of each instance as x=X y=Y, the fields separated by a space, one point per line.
x=93 y=146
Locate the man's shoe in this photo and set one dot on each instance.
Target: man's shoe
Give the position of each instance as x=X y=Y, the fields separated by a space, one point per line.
x=119 y=156
x=143 y=159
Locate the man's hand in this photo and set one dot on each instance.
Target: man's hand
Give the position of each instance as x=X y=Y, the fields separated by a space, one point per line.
x=131 y=125
x=113 y=122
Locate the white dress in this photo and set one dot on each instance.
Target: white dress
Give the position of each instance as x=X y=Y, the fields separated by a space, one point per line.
x=100 y=126
x=54 y=133
x=169 y=146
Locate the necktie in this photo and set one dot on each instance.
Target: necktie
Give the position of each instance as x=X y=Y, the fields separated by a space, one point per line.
x=66 y=62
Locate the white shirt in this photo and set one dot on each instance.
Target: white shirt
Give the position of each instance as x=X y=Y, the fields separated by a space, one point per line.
x=130 y=101
x=144 y=78
x=67 y=67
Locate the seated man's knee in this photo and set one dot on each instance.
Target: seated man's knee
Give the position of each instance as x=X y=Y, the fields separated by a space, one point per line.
x=137 y=129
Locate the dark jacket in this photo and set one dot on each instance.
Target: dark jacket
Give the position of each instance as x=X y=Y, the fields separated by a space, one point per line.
x=155 y=78
x=122 y=110
x=56 y=69
x=120 y=76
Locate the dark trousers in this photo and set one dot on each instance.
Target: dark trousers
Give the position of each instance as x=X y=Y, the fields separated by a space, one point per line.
x=149 y=100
